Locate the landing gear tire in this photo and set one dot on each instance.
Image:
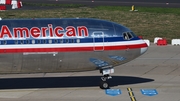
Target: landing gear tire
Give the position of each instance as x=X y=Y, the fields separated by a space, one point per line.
x=104 y=85
x=106 y=71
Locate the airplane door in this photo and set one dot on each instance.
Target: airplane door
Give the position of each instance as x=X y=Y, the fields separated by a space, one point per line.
x=98 y=41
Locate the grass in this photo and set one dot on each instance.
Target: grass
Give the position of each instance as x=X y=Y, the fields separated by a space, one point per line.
x=142 y=9
x=148 y=22
x=53 y=5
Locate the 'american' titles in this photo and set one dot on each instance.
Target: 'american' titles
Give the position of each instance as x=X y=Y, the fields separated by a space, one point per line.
x=36 y=32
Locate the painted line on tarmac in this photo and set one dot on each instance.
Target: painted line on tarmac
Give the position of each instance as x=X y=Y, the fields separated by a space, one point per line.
x=131 y=94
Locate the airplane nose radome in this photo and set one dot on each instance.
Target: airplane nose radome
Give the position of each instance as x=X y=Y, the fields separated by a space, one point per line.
x=143 y=50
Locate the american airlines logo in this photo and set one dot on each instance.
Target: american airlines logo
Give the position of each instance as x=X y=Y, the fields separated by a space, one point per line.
x=37 y=32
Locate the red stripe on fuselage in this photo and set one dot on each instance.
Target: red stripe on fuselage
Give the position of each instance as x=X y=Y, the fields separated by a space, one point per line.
x=72 y=49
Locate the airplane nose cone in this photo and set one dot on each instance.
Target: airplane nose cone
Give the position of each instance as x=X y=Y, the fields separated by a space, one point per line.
x=143 y=50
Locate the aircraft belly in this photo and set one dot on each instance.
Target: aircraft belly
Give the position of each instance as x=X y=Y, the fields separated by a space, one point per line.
x=17 y=63
x=39 y=63
x=6 y=63
x=64 y=61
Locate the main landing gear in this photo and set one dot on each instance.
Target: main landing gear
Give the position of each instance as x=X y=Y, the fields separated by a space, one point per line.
x=105 y=72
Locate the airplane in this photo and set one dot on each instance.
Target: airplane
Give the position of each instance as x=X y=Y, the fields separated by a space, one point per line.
x=55 y=45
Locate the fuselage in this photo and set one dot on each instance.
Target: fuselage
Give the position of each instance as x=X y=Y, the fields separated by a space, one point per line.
x=65 y=45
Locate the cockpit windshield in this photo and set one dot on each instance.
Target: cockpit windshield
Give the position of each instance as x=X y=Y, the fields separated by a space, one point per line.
x=128 y=35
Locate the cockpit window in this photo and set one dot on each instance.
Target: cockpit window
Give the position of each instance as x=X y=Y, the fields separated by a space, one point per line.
x=133 y=34
x=127 y=36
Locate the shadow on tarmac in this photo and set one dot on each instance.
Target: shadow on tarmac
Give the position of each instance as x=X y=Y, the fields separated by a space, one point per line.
x=62 y=82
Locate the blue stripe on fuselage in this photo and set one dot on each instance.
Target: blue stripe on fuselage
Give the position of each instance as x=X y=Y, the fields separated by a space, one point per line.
x=69 y=40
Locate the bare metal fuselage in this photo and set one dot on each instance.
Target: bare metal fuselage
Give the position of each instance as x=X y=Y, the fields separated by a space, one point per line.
x=61 y=62
x=65 y=45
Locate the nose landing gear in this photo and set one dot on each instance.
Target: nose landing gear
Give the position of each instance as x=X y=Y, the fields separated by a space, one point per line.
x=105 y=71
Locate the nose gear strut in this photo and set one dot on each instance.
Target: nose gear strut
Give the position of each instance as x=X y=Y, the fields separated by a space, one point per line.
x=106 y=71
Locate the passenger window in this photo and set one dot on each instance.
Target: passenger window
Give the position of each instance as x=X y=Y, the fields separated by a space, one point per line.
x=43 y=41
x=3 y=42
x=61 y=40
x=55 y=41
x=78 y=40
x=22 y=41
x=33 y=41
x=71 y=40
x=38 y=41
x=66 y=41
x=16 y=41
x=50 y=41
x=28 y=42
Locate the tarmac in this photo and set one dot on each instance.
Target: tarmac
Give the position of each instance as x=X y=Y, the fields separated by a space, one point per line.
x=158 y=69
x=92 y=3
